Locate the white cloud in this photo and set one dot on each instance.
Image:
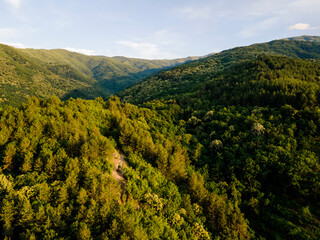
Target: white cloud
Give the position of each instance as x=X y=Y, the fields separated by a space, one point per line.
x=300 y=26
x=83 y=51
x=145 y=50
x=14 y=3
x=15 y=44
x=7 y=35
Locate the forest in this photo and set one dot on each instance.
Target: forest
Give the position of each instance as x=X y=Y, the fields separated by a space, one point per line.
x=25 y=73
x=225 y=147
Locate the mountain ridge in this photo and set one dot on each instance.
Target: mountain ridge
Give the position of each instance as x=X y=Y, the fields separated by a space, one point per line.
x=43 y=73
x=69 y=74
x=190 y=75
x=253 y=114
x=225 y=147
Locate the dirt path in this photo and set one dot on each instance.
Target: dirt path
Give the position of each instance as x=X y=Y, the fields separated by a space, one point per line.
x=119 y=164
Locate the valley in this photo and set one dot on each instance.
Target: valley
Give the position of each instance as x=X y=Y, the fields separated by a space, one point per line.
x=44 y=73
x=220 y=147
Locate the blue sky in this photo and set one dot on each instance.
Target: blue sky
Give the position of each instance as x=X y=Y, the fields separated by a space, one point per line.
x=153 y=29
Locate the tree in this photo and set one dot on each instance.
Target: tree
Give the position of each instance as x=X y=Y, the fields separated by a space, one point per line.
x=7 y=216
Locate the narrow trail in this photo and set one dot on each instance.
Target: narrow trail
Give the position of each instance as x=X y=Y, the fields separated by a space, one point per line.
x=119 y=164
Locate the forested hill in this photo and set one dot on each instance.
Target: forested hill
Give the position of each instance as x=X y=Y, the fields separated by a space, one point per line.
x=226 y=147
x=56 y=181
x=226 y=173
x=187 y=78
x=253 y=114
x=43 y=73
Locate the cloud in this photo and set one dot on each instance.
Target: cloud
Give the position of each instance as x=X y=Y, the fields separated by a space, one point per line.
x=83 y=51
x=300 y=26
x=15 y=44
x=14 y=3
x=145 y=50
x=9 y=34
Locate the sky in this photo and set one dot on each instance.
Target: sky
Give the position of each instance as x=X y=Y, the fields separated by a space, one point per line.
x=153 y=29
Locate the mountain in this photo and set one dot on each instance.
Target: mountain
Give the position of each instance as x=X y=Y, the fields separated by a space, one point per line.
x=64 y=188
x=225 y=147
x=85 y=169
x=253 y=118
x=43 y=73
x=189 y=77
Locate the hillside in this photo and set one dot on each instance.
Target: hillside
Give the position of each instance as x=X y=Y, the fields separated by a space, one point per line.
x=225 y=147
x=228 y=173
x=253 y=114
x=57 y=179
x=189 y=77
x=265 y=81
x=43 y=73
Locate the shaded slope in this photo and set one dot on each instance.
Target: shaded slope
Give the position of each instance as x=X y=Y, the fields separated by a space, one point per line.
x=188 y=77
x=253 y=118
x=267 y=81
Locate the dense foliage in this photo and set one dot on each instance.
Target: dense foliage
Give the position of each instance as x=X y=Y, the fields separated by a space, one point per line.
x=188 y=78
x=225 y=147
x=254 y=118
x=56 y=177
x=44 y=73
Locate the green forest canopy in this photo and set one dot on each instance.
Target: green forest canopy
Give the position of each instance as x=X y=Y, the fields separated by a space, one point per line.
x=226 y=147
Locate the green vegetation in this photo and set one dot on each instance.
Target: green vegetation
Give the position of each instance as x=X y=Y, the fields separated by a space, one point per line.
x=253 y=114
x=226 y=147
x=44 y=73
x=56 y=175
x=188 y=78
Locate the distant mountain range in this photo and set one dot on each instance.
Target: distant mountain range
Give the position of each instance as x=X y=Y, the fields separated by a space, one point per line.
x=43 y=73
